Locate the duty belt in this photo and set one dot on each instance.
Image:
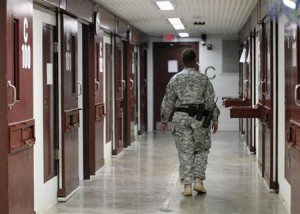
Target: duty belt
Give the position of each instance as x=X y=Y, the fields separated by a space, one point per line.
x=193 y=110
x=198 y=111
x=181 y=109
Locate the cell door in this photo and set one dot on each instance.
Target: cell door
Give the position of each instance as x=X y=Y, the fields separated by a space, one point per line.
x=99 y=102
x=143 y=91
x=49 y=83
x=70 y=91
x=253 y=89
x=119 y=86
x=129 y=94
x=21 y=134
x=3 y=111
x=292 y=93
x=267 y=113
x=108 y=92
x=259 y=99
x=248 y=92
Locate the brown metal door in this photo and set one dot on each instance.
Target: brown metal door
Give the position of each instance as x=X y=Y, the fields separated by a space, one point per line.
x=88 y=99
x=248 y=93
x=241 y=78
x=260 y=77
x=143 y=91
x=70 y=90
x=99 y=102
x=21 y=135
x=3 y=110
x=271 y=163
x=108 y=92
x=292 y=93
x=129 y=95
x=118 y=90
x=49 y=69
x=162 y=53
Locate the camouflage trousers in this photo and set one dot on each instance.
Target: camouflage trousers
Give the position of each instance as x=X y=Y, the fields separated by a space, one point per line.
x=193 y=143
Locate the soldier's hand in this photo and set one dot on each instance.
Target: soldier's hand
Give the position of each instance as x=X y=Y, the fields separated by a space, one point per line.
x=214 y=128
x=164 y=127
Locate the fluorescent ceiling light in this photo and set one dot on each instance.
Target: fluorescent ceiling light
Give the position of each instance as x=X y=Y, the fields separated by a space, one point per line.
x=165 y=5
x=290 y=3
x=184 y=35
x=175 y=21
x=179 y=27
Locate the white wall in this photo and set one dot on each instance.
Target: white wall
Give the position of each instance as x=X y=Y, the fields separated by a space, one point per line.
x=45 y=194
x=224 y=84
x=285 y=188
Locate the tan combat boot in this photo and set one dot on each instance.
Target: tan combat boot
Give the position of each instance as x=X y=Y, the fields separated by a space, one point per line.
x=198 y=186
x=187 y=191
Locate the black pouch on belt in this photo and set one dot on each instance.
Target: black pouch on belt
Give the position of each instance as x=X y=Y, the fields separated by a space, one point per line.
x=192 y=110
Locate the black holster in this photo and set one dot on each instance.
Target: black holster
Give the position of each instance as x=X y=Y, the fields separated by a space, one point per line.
x=193 y=110
x=207 y=119
x=201 y=110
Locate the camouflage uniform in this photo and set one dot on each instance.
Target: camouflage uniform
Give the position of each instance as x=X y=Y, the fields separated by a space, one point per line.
x=192 y=140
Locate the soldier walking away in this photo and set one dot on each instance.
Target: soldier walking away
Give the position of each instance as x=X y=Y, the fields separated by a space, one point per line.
x=191 y=95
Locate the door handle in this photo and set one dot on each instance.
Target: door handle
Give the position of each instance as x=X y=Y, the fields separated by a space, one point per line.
x=291 y=144
x=97 y=86
x=123 y=84
x=246 y=84
x=297 y=102
x=132 y=84
x=10 y=105
x=260 y=87
x=80 y=89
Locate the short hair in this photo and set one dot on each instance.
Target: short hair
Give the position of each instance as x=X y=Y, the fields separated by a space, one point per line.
x=188 y=56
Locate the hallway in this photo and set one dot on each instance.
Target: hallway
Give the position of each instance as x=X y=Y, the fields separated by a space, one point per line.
x=144 y=179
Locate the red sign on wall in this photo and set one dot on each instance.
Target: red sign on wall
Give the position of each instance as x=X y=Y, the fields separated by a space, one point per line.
x=169 y=37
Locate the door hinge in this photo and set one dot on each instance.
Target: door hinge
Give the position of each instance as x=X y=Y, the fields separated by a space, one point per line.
x=55 y=47
x=56 y=154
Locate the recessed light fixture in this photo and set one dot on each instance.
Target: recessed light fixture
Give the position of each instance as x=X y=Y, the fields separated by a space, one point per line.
x=175 y=21
x=165 y=5
x=177 y=24
x=179 y=27
x=290 y=3
x=184 y=35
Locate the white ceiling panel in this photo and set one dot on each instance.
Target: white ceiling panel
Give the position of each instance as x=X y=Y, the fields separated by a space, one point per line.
x=221 y=17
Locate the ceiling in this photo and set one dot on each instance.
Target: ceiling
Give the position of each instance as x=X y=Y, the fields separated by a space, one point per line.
x=221 y=17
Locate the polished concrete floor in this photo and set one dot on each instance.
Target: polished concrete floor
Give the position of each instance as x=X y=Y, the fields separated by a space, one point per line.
x=143 y=179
